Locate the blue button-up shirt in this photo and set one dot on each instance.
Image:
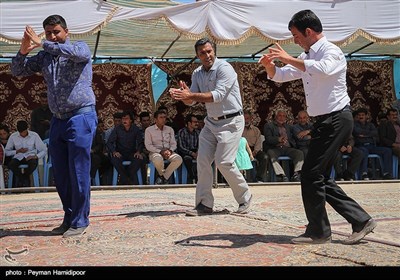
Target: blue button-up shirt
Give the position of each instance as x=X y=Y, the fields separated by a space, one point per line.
x=67 y=70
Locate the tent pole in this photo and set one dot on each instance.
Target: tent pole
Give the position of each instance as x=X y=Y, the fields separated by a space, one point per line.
x=97 y=44
x=359 y=49
x=254 y=54
x=173 y=76
x=170 y=45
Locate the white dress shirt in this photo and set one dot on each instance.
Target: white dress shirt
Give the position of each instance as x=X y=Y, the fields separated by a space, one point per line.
x=324 y=80
x=32 y=142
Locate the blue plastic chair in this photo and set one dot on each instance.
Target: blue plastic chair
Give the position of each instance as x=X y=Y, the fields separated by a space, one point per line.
x=126 y=163
x=153 y=173
x=285 y=160
x=35 y=175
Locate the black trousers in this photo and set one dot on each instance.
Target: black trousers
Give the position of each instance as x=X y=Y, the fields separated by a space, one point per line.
x=329 y=133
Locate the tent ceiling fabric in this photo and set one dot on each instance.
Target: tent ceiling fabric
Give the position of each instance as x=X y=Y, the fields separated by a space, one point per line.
x=146 y=28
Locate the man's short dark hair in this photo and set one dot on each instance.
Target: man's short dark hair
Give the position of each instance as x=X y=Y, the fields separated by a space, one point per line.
x=361 y=110
x=5 y=128
x=128 y=113
x=204 y=41
x=189 y=117
x=305 y=19
x=159 y=112
x=144 y=115
x=55 y=20
x=22 y=125
x=391 y=110
x=117 y=115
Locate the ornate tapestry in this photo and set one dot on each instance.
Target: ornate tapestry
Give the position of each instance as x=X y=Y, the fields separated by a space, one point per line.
x=117 y=87
x=370 y=84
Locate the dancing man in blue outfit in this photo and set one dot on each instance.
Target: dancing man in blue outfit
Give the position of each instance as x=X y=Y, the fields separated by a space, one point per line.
x=67 y=70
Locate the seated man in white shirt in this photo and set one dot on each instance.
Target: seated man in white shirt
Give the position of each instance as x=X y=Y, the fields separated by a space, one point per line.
x=26 y=147
x=160 y=141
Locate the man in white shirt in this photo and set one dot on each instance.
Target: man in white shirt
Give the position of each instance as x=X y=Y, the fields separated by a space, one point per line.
x=322 y=67
x=26 y=147
x=159 y=140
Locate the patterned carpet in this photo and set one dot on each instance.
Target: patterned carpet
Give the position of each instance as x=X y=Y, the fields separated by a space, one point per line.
x=148 y=227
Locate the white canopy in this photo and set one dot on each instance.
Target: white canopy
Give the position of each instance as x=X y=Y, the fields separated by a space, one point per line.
x=250 y=24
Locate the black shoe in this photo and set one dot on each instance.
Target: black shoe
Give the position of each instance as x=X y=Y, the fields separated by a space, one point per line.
x=355 y=237
x=387 y=176
x=200 y=210
x=296 y=177
x=71 y=232
x=364 y=176
x=305 y=239
x=282 y=178
x=348 y=176
x=60 y=229
x=161 y=180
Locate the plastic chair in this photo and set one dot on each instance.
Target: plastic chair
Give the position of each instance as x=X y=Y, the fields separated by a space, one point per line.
x=182 y=170
x=46 y=165
x=35 y=175
x=126 y=163
x=252 y=173
x=395 y=171
x=2 y=182
x=153 y=173
x=96 y=179
x=285 y=160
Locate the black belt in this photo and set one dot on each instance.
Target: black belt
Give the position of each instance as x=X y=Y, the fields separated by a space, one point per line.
x=227 y=116
x=325 y=116
x=64 y=116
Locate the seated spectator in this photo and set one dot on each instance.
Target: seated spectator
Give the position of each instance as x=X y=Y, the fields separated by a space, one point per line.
x=389 y=132
x=200 y=118
x=145 y=121
x=365 y=137
x=99 y=157
x=117 y=119
x=160 y=141
x=124 y=145
x=25 y=147
x=278 y=142
x=169 y=122
x=41 y=117
x=188 y=144
x=301 y=132
x=353 y=163
x=4 y=135
x=253 y=137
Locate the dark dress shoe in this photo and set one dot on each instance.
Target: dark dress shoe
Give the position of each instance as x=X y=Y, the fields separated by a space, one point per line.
x=282 y=178
x=296 y=177
x=357 y=236
x=60 y=229
x=161 y=180
x=200 y=210
x=305 y=239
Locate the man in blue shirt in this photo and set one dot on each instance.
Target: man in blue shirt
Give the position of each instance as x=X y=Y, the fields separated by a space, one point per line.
x=67 y=70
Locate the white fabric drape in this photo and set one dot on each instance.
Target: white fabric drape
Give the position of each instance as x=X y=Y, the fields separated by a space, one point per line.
x=226 y=21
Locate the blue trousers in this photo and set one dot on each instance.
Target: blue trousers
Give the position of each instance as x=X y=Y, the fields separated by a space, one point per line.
x=69 y=148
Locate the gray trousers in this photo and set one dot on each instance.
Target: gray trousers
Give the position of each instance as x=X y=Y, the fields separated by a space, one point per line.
x=219 y=143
